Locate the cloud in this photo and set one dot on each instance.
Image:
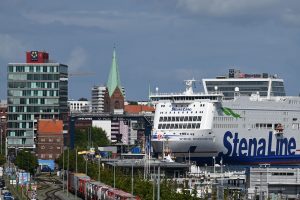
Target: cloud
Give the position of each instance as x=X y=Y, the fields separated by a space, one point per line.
x=108 y=20
x=291 y=18
x=77 y=59
x=11 y=48
x=225 y=7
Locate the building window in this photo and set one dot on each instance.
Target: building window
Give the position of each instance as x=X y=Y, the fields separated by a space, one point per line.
x=50 y=155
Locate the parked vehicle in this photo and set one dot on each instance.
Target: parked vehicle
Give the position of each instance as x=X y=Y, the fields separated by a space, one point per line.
x=7 y=196
x=2 y=183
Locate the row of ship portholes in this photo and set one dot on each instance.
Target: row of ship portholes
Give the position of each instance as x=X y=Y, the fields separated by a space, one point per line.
x=179 y=126
x=180 y=119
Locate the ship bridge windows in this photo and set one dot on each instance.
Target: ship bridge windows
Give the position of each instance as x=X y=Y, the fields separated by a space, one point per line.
x=179 y=126
x=180 y=119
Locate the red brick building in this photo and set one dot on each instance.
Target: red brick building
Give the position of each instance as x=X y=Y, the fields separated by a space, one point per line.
x=50 y=141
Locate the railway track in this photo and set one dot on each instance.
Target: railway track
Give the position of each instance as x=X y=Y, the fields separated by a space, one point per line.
x=50 y=195
x=49 y=183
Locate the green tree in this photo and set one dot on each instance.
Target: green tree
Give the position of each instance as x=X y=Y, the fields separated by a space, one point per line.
x=98 y=138
x=2 y=159
x=27 y=161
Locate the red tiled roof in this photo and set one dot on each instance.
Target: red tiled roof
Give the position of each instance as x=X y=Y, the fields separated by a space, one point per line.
x=138 y=108
x=51 y=126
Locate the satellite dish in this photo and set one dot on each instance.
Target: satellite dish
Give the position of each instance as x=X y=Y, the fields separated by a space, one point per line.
x=216 y=88
x=236 y=89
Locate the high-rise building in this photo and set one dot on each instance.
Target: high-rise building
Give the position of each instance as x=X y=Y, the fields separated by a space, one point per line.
x=98 y=99
x=245 y=84
x=37 y=89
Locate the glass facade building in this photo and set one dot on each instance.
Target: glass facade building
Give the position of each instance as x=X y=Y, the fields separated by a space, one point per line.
x=34 y=91
x=247 y=84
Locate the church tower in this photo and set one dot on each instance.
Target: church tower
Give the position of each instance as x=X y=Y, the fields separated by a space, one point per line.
x=114 y=95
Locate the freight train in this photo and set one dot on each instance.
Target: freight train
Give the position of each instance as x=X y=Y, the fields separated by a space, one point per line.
x=86 y=188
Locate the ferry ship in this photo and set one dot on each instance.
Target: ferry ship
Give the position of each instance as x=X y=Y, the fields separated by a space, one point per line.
x=206 y=127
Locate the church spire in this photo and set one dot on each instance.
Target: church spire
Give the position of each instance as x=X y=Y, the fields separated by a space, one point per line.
x=113 y=81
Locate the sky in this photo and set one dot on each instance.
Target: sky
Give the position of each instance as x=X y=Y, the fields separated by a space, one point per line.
x=158 y=43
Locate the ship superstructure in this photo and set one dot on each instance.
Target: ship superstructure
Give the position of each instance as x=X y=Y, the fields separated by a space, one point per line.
x=243 y=130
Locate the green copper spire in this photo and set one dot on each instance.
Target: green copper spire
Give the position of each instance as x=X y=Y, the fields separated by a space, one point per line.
x=114 y=78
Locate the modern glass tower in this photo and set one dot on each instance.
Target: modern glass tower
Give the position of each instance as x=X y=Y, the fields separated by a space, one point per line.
x=37 y=89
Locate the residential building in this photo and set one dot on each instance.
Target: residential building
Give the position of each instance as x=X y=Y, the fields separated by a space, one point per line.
x=98 y=99
x=245 y=84
x=37 y=89
x=50 y=140
x=79 y=106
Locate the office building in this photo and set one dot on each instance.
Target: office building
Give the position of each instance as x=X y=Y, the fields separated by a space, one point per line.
x=269 y=182
x=37 y=89
x=245 y=84
x=79 y=106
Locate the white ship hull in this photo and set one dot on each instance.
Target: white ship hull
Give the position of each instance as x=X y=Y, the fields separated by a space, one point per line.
x=244 y=130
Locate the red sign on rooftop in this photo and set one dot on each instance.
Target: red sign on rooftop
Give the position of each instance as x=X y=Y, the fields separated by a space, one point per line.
x=37 y=57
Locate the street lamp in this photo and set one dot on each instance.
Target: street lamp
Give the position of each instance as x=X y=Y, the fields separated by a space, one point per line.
x=1 y=131
x=114 y=174
x=3 y=119
x=158 y=183
x=99 y=163
x=131 y=178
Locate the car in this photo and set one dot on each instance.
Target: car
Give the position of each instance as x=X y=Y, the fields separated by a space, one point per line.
x=2 y=183
x=7 y=196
